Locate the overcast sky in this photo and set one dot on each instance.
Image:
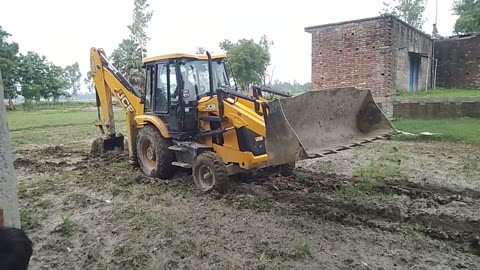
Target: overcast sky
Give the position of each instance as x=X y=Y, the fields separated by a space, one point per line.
x=65 y=30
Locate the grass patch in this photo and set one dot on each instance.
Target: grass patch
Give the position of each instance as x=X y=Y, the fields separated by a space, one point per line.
x=442 y=93
x=302 y=250
x=67 y=226
x=76 y=137
x=470 y=165
x=57 y=128
x=45 y=204
x=29 y=219
x=301 y=177
x=64 y=117
x=458 y=130
x=388 y=164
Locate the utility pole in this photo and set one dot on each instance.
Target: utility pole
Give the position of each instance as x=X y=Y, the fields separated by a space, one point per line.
x=8 y=179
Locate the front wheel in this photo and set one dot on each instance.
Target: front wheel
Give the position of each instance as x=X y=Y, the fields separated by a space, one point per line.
x=153 y=155
x=210 y=172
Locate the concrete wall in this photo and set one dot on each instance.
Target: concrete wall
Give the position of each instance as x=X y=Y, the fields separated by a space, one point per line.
x=458 y=62
x=430 y=108
x=406 y=39
x=353 y=54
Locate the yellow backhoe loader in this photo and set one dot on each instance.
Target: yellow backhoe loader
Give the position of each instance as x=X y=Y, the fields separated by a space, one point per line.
x=188 y=115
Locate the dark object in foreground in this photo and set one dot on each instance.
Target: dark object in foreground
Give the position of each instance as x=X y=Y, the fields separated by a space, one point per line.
x=15 y=249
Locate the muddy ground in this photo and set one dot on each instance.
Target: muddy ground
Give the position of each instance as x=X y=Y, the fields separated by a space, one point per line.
x=388 y=205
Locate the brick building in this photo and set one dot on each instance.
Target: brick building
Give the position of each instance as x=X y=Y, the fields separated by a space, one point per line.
x=458 y=62
x=382 y=54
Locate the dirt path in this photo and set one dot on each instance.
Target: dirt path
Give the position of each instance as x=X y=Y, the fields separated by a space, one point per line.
x=85 y=213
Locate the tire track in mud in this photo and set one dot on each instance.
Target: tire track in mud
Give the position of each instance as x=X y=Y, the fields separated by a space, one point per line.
x=391 y=205
x=48 y=159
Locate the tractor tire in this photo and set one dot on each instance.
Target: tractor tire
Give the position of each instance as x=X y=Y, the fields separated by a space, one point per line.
x=210 y=173
x=153 y=155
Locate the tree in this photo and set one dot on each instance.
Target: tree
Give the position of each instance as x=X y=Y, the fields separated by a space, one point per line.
x=411 y=11
x=8 y=61
x=293 y=87
x=32 y=70
x=127 y=57
x=248 y=60
x=73 y=77
x=88 y=81
x=8 y=181
x=141 y=18
x=469 y=16
x=55 y=82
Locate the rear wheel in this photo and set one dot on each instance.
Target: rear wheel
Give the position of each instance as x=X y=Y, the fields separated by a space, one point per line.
x=210 y=172
x=153 y=155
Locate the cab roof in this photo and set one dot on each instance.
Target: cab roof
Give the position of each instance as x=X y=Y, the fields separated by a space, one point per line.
x=181 y=55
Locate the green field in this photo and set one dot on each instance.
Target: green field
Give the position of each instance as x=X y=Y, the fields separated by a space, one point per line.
x=442 y=93
x=461 y=130
x=60 y=125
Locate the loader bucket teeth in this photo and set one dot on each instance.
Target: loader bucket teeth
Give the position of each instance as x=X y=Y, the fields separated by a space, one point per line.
x=103 y=145
x=322 y=122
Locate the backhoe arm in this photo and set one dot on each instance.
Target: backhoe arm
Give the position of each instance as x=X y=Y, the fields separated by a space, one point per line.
x=108 y=81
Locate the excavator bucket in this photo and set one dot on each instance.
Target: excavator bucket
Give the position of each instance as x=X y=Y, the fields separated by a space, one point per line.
x=321 y=122
x=103 y=145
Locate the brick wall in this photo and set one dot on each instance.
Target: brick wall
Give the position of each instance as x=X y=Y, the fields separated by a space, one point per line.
x=406 y=39
x=371 y=53
x=353 y=54
x=431 y=108
x=458 y=62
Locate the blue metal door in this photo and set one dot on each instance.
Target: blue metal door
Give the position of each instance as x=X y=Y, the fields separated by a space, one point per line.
x=415 y=61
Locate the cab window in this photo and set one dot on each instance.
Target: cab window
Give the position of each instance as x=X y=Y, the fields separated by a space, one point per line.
x=173 y=84
x=149 y=88
x=161 y=97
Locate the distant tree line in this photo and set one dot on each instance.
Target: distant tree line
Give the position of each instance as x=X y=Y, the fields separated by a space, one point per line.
x=34 y=77
x=412 y=12
x=293 y=88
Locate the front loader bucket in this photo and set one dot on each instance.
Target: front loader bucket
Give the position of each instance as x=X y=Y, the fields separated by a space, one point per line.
x=102 y=145
x=322 y=122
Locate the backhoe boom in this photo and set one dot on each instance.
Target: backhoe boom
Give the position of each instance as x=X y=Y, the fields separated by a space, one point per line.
x=108 y=81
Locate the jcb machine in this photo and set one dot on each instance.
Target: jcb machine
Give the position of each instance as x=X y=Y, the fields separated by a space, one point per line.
x=188 y=115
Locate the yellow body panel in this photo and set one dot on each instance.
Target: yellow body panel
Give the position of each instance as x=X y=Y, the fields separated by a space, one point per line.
x=181 y=55
x=246 y=160
x=238 y=114
x=142 y=120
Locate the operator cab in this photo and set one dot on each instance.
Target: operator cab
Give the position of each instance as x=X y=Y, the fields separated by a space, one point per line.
x=175 y=83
